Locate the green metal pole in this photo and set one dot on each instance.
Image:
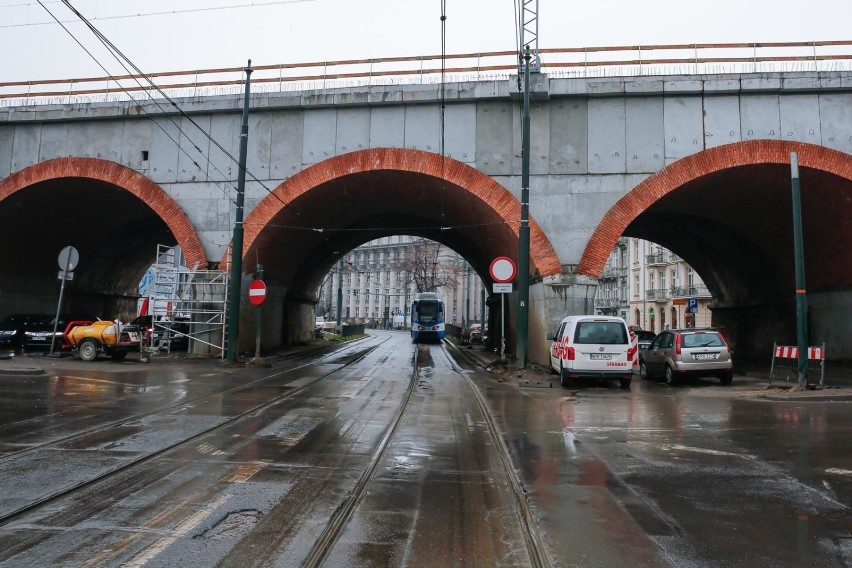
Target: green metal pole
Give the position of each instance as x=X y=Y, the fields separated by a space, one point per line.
x=524 y=231
x=237 y=240
x=801 y=292
x=339 y=292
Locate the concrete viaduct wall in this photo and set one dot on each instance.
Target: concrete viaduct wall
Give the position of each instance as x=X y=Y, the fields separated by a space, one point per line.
x=594 y=141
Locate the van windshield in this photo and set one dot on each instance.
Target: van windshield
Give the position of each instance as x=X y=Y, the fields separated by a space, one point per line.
x=600 y=332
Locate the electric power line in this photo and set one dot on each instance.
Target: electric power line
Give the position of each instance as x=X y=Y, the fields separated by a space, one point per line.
x=144 y=14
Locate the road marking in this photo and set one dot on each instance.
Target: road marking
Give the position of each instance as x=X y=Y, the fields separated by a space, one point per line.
x=838 y=471
x=245 y=472
x=707 y=451
x=144 y=556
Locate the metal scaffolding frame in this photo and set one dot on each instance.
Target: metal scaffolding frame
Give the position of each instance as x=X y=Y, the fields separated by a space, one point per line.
x=196 y=298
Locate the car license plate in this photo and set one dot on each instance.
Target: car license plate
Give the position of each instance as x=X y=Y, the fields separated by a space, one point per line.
x=600 y=356
x=704 y=356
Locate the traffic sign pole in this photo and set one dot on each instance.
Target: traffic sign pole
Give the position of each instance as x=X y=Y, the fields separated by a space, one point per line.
x=258 y=322
x=68 y=259
x=503 y=271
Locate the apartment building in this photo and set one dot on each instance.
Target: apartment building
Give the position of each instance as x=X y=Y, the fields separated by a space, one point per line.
x=650 y=286
x=379 y=281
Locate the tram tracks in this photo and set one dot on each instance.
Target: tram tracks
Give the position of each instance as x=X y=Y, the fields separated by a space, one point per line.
x=11 y=515
x=536 y=548
x=339 y=355
x=526 y=517
x=339 y=519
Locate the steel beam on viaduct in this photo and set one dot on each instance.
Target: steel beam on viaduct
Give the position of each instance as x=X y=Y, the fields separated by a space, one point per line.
x=698 y=164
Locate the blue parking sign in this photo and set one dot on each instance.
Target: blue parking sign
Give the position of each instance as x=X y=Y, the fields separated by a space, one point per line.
x=693 y=304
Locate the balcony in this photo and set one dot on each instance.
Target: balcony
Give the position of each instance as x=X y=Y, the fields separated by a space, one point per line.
x=613 y=272
x=656 y=258
x=658 y=295
x=690 y=292
x=610 y=303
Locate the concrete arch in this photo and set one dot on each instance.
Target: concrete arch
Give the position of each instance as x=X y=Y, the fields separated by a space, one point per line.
x=120 y=176
x=543 y=259
x=670 y=178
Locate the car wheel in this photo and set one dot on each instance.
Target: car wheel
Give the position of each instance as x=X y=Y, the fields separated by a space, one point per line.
x=89 y=350
x=727 y=378
x=118 y=355
x=563 y=379
x=670 y=378
x=625 y=384
x=643 y=371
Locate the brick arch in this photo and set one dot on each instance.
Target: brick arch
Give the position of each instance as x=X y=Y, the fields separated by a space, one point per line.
x=670 y=178
x=542 y=256
x=120 y=176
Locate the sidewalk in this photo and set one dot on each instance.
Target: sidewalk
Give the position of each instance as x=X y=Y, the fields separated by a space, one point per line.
x=837 y=384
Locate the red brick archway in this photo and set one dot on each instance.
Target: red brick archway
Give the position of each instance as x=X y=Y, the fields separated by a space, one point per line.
x=120 y=176
x=672 y=177
x=543 y=259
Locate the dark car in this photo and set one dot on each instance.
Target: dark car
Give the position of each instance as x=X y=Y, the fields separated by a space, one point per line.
x=473 y=334
x=12 y=331
x=645 y=338
x=162 y=328
x=38 y=332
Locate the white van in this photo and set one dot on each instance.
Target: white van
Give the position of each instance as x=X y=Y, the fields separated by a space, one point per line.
x=593 y=347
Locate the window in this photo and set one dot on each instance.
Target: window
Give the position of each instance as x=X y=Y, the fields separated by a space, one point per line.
x=596 y=332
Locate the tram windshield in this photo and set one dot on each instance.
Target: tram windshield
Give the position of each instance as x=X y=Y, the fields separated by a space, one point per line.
x=428 y=311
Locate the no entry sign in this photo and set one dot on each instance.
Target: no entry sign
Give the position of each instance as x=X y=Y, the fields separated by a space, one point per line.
x=503 y=270
x=257 y=292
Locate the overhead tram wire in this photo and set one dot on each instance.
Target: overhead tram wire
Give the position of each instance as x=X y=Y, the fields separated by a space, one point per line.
x=148 y=14
x=119 y=55
x=149 y=115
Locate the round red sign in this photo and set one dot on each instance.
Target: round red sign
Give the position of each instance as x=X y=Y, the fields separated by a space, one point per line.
x=257 y=292
x=503 y=270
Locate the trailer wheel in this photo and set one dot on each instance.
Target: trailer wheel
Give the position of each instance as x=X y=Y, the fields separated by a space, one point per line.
x=88 y=350
x=118 y=355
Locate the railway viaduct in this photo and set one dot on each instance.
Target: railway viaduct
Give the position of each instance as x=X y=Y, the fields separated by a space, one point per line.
x=698 y=163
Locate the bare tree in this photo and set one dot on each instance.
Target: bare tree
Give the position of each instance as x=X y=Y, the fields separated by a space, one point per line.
x=424 y=266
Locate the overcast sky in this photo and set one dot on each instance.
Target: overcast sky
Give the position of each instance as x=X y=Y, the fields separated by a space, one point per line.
x=160 y=35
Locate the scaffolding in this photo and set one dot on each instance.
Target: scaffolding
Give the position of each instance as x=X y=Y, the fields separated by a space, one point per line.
x=187 y=302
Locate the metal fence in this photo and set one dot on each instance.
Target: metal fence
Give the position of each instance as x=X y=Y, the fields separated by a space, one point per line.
x=579 y=62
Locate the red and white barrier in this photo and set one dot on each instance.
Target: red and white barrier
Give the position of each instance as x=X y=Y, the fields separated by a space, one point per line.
x=792 y=352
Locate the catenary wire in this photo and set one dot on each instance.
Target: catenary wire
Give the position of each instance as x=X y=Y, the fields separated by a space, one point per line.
x=160 y=126
x=119 y=55
x=147 y=14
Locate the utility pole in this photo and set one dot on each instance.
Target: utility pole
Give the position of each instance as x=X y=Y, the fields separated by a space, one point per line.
x=801 y=292
x=339 y=292
x=237 y=240
x=524 y=230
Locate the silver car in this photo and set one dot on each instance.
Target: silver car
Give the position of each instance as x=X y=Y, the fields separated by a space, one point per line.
x=678 y=353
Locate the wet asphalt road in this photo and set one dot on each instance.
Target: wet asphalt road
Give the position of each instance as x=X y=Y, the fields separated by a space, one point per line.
x=697 y=475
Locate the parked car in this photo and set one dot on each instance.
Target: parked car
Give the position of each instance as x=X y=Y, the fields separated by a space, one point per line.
x=473 y=334
x=12 y=331
x=592 y=347
x=161 y=328
x=319 y=326
x=678 y=353
x=645 y=338
x=39 y=334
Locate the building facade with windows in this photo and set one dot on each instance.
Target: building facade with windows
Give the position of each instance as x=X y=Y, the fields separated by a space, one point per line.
x=376 y=286
x=650 y=286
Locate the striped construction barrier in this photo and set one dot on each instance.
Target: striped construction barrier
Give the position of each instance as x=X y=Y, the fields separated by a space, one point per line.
x=782 y=353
